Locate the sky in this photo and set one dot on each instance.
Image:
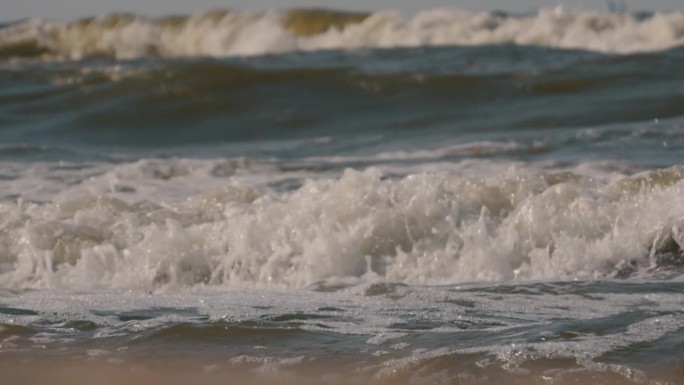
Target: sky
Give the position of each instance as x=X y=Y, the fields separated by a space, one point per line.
x=72 y=9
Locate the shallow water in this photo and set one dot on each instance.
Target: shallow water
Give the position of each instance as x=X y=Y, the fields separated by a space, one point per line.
x=613 y=332
x=376 y=199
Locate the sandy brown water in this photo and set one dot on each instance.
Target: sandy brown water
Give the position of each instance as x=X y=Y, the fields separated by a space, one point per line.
x=174 y=372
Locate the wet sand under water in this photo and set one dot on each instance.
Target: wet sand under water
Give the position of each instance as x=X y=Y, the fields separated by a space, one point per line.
x=196 y=371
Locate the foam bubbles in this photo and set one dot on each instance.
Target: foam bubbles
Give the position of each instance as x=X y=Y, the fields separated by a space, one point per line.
x=518 y=223
x=227 y=33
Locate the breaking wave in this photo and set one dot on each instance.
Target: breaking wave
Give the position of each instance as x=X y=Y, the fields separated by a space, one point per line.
x=238 y=33
x=424 y=228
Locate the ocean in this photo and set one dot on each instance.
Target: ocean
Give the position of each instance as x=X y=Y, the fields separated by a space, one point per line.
x=314 y=196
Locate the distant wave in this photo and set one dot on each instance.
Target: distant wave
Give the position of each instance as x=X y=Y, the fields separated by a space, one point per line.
x=239 y=33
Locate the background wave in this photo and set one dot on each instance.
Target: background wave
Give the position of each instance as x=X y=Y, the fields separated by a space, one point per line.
x=548 y=103
x=230 y=33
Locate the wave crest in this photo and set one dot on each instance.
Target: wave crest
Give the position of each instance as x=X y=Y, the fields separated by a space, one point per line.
x=235 y=33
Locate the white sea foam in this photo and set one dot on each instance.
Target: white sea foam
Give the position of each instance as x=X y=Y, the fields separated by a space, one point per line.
x=254 y=33
x=178 y=224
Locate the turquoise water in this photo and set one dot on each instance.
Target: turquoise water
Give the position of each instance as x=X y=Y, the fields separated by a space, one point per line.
x=395 y=199
x=554 y=104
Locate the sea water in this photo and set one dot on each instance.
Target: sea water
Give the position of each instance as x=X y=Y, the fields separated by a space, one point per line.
x=453 y=197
